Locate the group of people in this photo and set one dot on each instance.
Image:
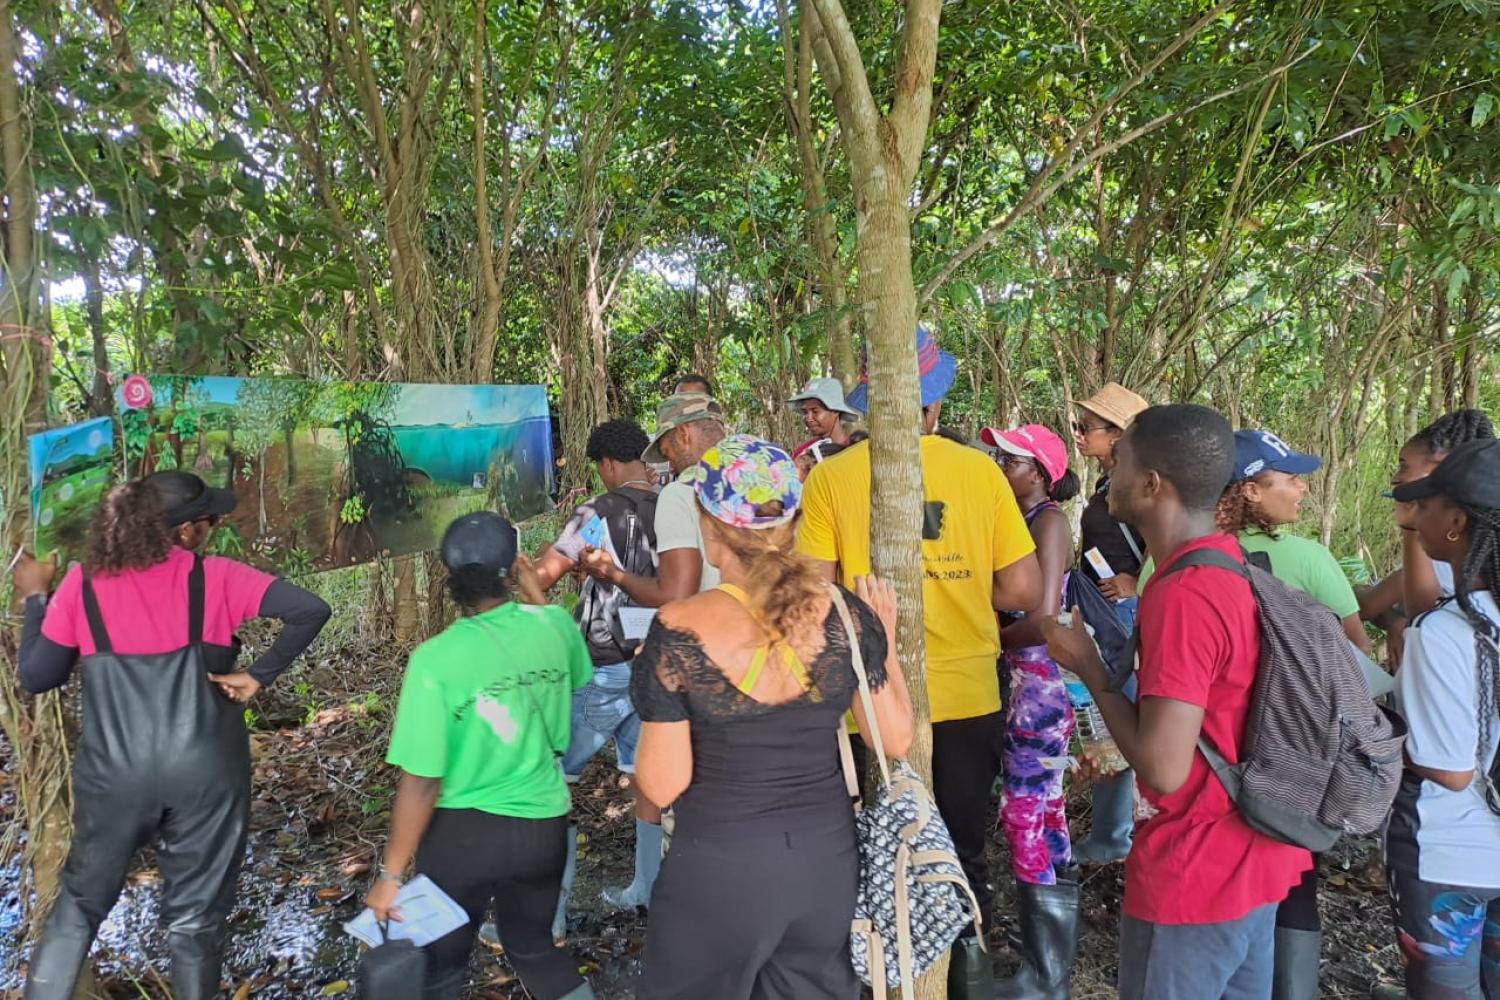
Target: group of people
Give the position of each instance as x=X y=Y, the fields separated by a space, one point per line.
x=707 y=645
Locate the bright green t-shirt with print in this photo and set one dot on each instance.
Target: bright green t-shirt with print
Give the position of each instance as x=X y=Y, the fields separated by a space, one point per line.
x=486 y=706
x=1297 y=562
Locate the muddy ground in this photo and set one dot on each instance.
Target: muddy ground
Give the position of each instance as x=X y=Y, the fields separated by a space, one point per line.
x=321 y=797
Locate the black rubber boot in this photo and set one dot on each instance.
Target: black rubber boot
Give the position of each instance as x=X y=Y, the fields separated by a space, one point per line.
x=1295 y=975
x=60 y=954
x=1049 y=941
x=970 y=976
x=196 y=962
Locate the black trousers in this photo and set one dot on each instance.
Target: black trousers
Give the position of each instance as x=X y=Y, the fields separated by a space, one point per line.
x=740 y=915
x=200 y=837
x=479 y=858
x=965 y=762
x=1299 y=911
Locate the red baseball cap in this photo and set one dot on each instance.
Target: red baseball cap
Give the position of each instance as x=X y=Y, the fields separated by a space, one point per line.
x=1031 y=441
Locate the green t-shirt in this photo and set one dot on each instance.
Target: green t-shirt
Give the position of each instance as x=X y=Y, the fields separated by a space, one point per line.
x=486 y=705
x=1297 y=562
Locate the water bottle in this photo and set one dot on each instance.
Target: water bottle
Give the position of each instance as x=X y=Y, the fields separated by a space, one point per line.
x=1094 y=739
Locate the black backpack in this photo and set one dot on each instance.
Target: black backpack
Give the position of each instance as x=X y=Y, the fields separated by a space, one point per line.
x=1320 y=759
x=634 y=544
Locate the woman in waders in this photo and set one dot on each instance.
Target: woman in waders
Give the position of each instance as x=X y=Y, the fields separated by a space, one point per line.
x=164 y=755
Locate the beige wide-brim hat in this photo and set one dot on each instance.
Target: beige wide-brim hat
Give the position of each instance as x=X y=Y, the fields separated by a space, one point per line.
x=1115 y=403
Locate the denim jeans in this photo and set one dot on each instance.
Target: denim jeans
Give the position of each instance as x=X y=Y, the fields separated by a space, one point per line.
x=602 y=710
x=1113 y=820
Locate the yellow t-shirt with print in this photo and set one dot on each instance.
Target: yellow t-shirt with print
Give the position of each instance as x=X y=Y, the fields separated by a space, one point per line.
x=971 y=527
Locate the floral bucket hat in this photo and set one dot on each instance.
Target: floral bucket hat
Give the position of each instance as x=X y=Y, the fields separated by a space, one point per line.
x=740 y=474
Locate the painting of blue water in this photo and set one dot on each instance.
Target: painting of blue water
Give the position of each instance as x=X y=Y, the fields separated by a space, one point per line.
x=327 y=474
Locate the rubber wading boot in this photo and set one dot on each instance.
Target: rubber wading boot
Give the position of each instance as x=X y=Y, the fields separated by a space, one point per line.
x=1113 y=822
x=969 y=974
x=1295 y=975
x=58 y=957
x=570 y=870
x=1049 y=941
x=584 y=992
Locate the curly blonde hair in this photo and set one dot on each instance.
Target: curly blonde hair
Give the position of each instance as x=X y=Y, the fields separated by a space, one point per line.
x=783 y=585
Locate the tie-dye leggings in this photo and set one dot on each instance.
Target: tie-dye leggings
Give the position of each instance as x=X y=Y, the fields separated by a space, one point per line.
x=1039 y=723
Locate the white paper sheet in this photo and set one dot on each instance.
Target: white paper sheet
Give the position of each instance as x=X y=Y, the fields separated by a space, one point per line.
x=634 y=622
x=427 y=913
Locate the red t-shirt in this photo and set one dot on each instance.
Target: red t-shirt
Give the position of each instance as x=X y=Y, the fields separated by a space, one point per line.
x=1196 y=861
x=146 y=611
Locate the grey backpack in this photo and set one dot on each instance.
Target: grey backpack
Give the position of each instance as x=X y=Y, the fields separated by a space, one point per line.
x=1320 y=759
x=913 y=898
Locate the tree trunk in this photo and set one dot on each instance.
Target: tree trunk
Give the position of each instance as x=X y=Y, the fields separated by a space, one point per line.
x=884 y=152
x=832 y=278
x=406 y=619
x=288 y=437
x=33 y=727
x=101 y=397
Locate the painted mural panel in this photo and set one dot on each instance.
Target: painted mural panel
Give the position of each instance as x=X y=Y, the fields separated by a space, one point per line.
x=333 y=473
x=71 y=468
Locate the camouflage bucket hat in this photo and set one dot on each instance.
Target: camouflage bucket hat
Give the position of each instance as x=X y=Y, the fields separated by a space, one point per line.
x=676 y=410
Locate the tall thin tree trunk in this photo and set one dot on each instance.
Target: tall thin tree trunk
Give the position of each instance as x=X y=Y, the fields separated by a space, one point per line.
x=101 y=397
x=884 y=152
x=33 y=727
x=833 y=278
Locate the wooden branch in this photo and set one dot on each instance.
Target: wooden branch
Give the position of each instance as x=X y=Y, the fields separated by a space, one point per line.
x=911 y=111
x=858 y=114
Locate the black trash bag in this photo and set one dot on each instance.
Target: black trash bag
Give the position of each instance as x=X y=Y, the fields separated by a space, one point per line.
x=392 y=970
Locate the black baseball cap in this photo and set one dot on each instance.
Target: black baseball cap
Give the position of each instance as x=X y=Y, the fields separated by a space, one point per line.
x=1469 y=475
x=185 y=498
x=483 y=539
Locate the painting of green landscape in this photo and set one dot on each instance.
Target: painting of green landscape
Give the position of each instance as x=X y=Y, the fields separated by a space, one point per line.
x=70 y=471
x=329 y=474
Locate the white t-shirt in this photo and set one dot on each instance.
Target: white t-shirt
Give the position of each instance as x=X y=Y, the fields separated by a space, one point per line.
x=1458 y=836
x=677 y=527
x=1444 y=572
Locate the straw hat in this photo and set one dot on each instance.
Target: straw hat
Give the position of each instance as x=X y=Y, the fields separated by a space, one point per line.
x=1115 y=403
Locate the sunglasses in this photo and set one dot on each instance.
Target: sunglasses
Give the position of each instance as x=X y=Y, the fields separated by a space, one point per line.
x=1086 y=428
x=1006 y=460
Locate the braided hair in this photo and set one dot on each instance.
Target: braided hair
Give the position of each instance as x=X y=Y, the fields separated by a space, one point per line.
x=1453 y=429
x=1483 y=563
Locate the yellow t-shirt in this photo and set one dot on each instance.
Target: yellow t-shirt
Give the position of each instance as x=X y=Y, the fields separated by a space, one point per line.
x=971 y=528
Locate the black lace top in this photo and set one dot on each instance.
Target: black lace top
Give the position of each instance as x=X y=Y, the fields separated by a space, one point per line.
x=758 y=768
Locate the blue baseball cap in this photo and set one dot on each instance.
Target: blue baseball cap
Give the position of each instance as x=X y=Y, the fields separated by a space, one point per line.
x=936 y=370
x=1261 y=451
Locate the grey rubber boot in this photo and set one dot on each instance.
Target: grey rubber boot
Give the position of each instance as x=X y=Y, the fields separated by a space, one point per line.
x=570 y=870
x=1295 y=975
